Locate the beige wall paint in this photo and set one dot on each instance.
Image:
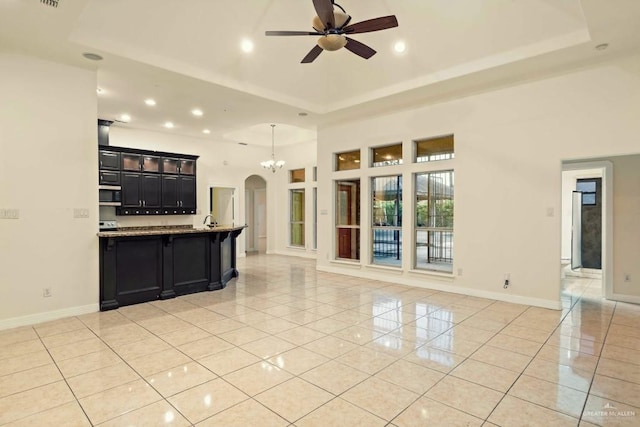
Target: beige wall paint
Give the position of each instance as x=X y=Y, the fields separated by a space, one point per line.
x=48 y=161
x=626 y=227
x=510 y=144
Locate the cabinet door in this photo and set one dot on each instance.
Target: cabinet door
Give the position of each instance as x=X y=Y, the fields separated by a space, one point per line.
x=150 y=191
x=131 y=197
x=131 y=162
x=187 y=167
x=170 y=191
x=170 y=165
x=109 y=178
x=187 y=192
x=109 y=159
x=151 y=163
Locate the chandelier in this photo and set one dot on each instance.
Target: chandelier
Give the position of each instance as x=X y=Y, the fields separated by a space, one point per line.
x=272 y=163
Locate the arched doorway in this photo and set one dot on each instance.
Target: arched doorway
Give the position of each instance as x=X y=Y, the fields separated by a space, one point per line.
x=256 y=214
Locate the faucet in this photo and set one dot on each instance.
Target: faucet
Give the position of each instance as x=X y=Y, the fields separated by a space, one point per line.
x=205 y=219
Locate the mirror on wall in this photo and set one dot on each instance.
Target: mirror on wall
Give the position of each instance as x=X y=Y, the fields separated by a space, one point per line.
x=221 y=206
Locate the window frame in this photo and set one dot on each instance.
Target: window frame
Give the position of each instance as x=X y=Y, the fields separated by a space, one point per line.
x=291 y=217
x=396 y=228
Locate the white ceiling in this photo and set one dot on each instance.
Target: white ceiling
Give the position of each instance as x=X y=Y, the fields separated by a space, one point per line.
x=187 y=55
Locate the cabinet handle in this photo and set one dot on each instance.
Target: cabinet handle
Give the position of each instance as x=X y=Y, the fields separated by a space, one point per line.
x=139 y=202
x=144 y=203
x=100 y=163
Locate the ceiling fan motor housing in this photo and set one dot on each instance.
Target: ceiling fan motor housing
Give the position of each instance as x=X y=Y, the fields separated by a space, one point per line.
x=339 y=17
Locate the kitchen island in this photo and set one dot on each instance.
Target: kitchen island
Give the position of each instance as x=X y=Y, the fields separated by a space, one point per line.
x=144 y=264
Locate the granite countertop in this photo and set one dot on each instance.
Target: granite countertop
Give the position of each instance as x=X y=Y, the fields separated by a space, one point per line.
x=163 y=230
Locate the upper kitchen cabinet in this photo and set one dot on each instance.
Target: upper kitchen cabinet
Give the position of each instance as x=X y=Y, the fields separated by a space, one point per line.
x=109 y=160
x=153 y=183
x=134 y=162
x=177 y=166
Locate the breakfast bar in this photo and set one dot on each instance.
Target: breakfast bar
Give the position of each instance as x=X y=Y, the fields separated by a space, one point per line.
x=141 y=264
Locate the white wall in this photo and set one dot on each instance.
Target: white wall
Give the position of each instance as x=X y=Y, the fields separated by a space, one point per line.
x=48 y=159
x=626 y=228
x=509 y=147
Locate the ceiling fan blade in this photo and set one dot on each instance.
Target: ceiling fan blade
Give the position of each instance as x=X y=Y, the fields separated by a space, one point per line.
x=312 y=55
x=324 y=9
x=291 y=33
x=376 y=24
x=359 y=49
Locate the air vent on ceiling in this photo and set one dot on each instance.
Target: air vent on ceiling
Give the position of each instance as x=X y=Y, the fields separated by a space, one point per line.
x=52 y=3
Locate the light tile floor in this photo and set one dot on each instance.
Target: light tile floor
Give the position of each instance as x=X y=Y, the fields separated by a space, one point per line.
x=286 y=345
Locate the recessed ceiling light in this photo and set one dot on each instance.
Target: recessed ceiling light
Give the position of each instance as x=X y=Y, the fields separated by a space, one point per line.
x=207 y=131
x=197 y=112
x=246 y=45
x=242 y=143
x=602 y=46
x=99 y=91
x=400 y=46
x=125 y=117
x=150 y=102
x=169 y=125
x=92 y=56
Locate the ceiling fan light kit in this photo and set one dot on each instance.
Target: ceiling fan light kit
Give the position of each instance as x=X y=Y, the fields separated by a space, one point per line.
x=332 y=25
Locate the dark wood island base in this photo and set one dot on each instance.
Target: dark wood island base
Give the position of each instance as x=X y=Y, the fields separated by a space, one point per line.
x=145 y=265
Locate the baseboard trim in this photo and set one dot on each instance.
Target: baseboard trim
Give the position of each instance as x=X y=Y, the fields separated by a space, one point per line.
x=624 y=298
x=33 y=319
x=448 y=287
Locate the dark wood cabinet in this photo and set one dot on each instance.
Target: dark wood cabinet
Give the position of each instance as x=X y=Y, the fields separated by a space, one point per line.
x=131 y=196
x=170 y=190
x=151 y=191
x=135 y=269
x=140 y=190
x=109 y=160
x=108 y=177
x=187 y=167
x=153 y=183
x=187 y=192
x=140 y=162
x=178 y=194
x=178 y=166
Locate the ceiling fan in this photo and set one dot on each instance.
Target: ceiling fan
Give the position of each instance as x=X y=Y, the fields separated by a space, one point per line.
x=332 y=25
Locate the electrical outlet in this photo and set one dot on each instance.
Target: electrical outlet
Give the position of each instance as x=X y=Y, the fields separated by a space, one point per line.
x=46 y=292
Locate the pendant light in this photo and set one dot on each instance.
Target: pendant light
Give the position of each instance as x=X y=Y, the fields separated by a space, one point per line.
x=272 y=163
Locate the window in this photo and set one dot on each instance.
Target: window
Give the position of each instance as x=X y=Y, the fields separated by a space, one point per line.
x=434 y=221
x=296 y=175
x=588 y=188
x=386 y=156
x=347 y=161
x=348 y=219
x=386 y=204
x=433 y=149
x=297 y=217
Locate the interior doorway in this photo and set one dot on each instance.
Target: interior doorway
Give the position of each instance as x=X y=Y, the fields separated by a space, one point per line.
x=587 y=224
x=256 y=214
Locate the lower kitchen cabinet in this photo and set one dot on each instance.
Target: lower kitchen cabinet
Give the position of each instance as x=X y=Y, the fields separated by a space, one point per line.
x=141 y=268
